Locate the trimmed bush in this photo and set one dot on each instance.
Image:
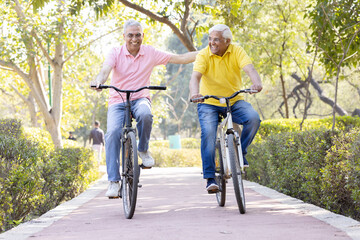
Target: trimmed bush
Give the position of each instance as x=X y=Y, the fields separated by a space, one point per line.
x=165 y=157
x=20 y=180
x=275 y=126
x=187 y=143
x=34 y=178
x=317 y=166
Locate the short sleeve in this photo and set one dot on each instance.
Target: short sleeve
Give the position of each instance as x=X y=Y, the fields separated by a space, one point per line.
x=242 y=57
x=110 y=59
x=201 y=64
x=160 y=57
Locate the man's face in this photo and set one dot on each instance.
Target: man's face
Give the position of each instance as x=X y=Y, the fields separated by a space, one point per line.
x=133 y=37
x=218 y=45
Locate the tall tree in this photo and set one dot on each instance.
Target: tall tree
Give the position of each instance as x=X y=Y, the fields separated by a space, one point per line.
x=337 y=24
x=24 y=48
x=274 y=35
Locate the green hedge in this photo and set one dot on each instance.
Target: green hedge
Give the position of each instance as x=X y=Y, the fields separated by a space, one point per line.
x=34 y=177
x=274 y=126
x=318 y=166
x=188 y=156
x=187 y=143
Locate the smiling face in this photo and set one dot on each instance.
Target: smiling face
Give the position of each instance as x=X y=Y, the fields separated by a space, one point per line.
x=133 y=37
x=217 y=43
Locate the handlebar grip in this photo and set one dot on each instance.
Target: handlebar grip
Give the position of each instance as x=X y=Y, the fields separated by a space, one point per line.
x=100 y=86
x=251 y=91
x=157 y=87
x=200 y=98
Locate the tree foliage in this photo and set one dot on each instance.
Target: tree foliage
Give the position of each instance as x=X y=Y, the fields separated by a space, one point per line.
x=336 y=24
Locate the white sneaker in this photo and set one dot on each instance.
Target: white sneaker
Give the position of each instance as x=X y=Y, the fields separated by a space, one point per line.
x=147 y=159
x=113 y=190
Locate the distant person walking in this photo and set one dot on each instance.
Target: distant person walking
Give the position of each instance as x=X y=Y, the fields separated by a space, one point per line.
x=97 y=138
x=71 y=136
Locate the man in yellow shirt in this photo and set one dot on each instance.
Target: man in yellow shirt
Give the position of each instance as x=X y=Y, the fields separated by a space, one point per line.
x=217 y=72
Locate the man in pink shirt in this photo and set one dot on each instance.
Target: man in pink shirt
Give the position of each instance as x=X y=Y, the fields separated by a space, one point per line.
x=132 y=64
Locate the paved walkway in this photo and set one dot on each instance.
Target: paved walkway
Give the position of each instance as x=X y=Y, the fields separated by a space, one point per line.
x=172 y=205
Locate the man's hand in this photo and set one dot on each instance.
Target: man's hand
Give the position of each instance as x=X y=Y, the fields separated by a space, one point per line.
x=194 y=98
x=97 y=84
x=257 y=87
x=101 y=77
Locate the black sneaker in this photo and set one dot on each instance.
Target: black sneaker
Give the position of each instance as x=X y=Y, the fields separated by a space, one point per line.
x=212 y=186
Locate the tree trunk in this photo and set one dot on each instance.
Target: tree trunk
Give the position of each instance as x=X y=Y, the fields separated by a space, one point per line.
x=321 y=95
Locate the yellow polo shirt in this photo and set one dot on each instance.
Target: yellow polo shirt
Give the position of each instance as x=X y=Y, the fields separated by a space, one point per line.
x=221 y=75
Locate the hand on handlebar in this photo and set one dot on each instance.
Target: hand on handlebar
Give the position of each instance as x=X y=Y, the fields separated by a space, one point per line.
x=196 y=98
x=95 y=85
x=256 y=87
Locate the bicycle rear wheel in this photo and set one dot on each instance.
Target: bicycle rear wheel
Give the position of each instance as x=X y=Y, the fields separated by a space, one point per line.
x=236 y=173
x=219 y=175
x=130 y=174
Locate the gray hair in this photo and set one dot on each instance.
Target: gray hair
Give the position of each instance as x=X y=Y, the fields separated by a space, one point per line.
x=226 y=32
x=131 y=22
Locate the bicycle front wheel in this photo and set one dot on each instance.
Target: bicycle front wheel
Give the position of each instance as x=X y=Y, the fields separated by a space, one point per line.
x=130 y=174
x=236 y=173
x=219 y=175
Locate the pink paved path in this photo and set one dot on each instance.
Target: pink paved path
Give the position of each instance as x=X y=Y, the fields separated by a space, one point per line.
x=173 y=204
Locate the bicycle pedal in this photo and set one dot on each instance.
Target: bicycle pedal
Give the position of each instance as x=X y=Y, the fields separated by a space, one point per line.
x=113 y=197
x=213 y=191
x=143 y=167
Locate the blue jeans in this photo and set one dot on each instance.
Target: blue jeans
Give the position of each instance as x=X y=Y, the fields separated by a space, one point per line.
x=141 y=111
x=242 y=113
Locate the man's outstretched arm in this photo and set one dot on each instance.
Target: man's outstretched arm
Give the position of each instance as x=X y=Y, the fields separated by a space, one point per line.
x=184 y=58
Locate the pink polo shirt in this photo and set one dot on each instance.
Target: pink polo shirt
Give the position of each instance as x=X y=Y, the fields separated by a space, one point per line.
x=131 y=73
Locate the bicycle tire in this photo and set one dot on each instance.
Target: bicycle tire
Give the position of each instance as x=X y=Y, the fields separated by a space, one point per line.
x=236 y=173
x=130 y=176
x=219 y=175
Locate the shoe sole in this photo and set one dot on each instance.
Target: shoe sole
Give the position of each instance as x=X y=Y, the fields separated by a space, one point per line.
x=145 y=167
x=212 y=188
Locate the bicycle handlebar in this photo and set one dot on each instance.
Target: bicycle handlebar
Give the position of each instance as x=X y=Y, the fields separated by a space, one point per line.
x=219 y=97
x=130 y=91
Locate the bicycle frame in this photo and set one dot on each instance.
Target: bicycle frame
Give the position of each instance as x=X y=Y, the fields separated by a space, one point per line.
x=225 y=128
x=130 y=170
x=128 y=119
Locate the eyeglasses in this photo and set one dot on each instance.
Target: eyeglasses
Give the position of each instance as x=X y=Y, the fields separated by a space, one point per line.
x=216 y=40
x=131 y=35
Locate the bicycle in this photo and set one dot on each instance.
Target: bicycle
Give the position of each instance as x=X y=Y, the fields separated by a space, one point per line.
x=229 y=162
x=130 y=169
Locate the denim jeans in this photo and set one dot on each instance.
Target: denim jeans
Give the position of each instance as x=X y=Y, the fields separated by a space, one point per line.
x=141 y=111
x=242 y=113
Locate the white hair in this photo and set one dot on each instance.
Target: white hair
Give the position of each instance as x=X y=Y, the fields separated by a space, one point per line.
x=226 y=32
x=131 y=22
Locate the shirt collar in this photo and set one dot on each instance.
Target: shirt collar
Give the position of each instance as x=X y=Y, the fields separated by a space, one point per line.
x=141 y=51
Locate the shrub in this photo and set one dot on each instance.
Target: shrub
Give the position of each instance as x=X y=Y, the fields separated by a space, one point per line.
x=34 y=177
x=188 y=156
x=318 y=166
x=66 y=173
x=10 y=127
x=191 y=143
x=165 y=157
x=275 y=126
x=340 y=185
x=20 y=181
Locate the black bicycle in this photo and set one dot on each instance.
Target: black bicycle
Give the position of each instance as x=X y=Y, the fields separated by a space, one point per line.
x=229 y=161
x=130 y=170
